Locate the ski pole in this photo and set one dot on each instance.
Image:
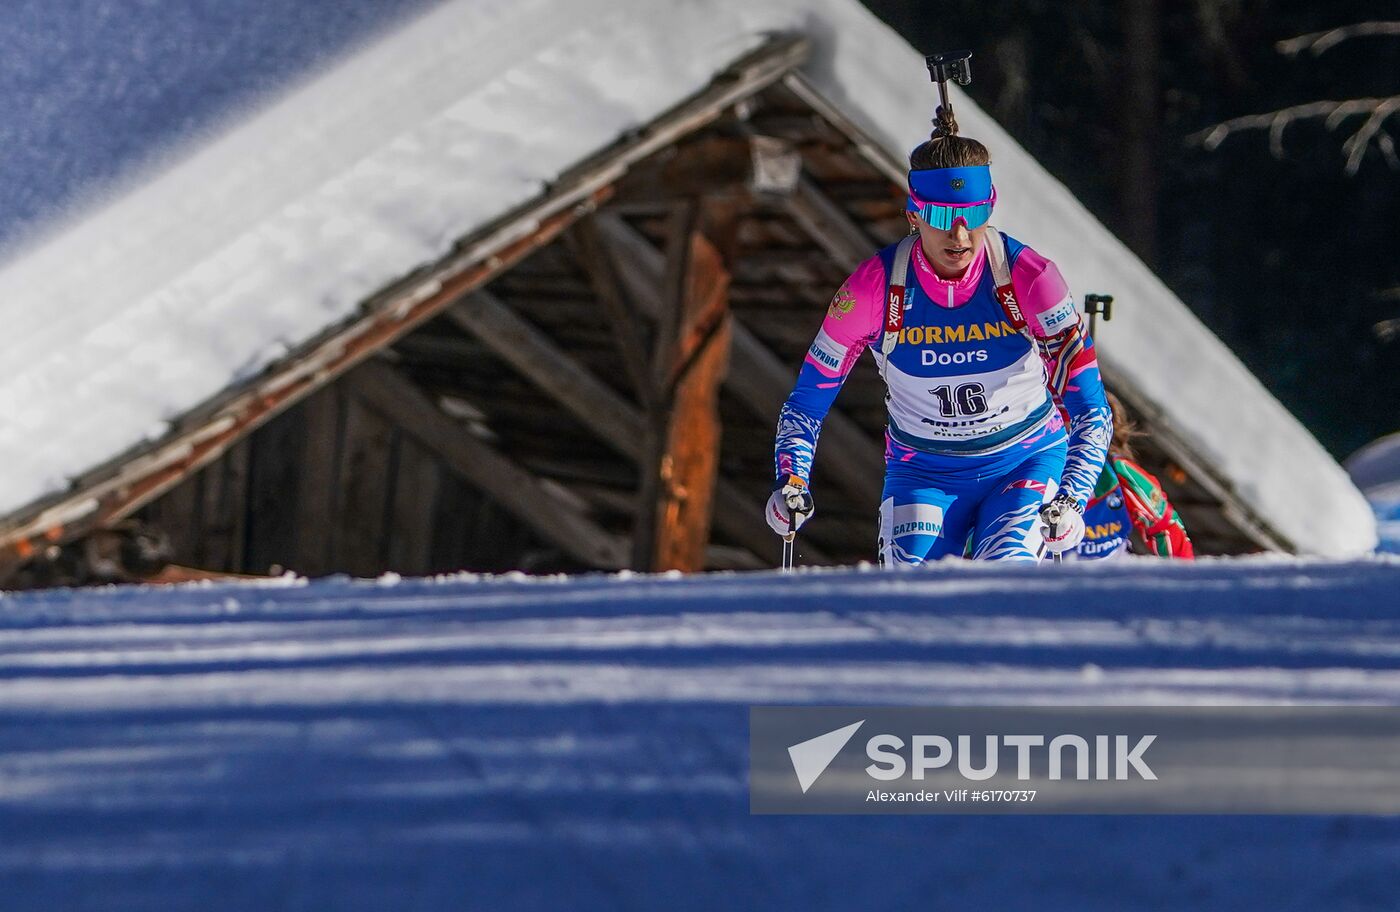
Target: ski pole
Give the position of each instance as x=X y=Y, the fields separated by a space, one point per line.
x=1058 y=557
x=789 y=541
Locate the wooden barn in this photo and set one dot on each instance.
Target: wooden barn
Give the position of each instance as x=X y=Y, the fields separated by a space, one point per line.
x=589 y=378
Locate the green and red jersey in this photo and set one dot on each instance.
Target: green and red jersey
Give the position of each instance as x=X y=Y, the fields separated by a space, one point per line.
x=1127 y=497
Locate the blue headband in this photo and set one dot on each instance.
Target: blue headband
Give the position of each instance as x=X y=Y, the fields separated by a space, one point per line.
x=952 y=186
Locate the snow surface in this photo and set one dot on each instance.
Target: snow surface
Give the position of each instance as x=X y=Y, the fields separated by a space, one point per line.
x=216 y=266
x=513 y=743
x=91 y=89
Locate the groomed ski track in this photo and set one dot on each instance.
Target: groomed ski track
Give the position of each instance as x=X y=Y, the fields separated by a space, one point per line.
x=494 y=743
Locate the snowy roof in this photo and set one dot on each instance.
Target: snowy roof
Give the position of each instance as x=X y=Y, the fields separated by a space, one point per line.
x=255 y=243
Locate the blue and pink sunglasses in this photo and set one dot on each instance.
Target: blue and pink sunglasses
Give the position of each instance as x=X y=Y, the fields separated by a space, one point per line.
x=942 y=196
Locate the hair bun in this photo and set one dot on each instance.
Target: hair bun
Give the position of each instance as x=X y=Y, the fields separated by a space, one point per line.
x=944 y=124
x=946 y=149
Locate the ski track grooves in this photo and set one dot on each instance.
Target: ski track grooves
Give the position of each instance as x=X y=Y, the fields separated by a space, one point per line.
x=368 y=745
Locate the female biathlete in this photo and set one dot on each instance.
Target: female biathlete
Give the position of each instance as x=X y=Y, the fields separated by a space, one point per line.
x=979 y=339
x=1127 y=498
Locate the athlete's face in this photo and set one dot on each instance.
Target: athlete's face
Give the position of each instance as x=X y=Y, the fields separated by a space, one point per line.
x=950 y=252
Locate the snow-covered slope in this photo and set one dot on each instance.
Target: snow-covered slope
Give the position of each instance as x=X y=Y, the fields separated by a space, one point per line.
x=582 y=744
x=219 y=265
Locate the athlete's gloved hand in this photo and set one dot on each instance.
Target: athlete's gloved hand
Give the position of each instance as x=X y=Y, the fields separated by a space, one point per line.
x=789 y=506
x=1065 y=517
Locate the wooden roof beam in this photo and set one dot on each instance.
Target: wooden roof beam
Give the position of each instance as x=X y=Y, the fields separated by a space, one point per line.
x=714 y=165
x=590 y=251
x=828 y=225
x=596 y=405
x=691 y=354
x=552 y=516
x=757 y=377
x=534 y=356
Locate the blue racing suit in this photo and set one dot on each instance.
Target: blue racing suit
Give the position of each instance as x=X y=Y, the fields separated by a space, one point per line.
x=985 y=422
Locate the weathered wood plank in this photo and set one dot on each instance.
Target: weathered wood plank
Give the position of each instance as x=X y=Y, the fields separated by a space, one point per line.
x=381 y=389
x=756 y=376
x=666 y=309
x=319 y=482
x=416 y=482
x=691 y=368
x=359 y=547
x=452 y=544
x=713 y=165
x=892 y=166
x=737 y=513
x=592 y=254
x=273 y=483
x=594 y=404
x=537 y=358
x=177 y=514
x=828 y=225
x=224 y=512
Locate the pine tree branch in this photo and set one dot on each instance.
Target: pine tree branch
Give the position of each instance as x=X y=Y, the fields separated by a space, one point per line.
x=1320 y=42
x=1387 y=330
x=1378 y=110
x=1386 y=143
x=1355 y=146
